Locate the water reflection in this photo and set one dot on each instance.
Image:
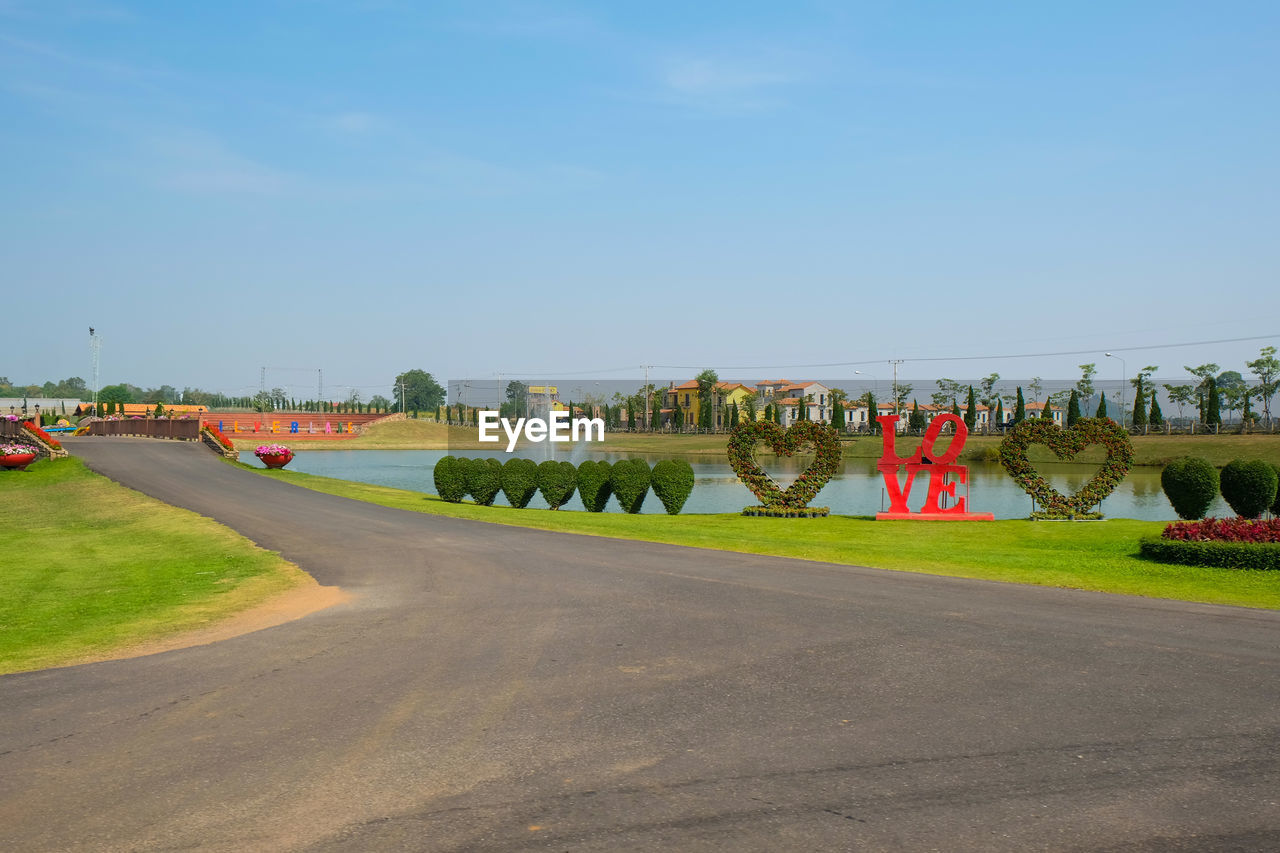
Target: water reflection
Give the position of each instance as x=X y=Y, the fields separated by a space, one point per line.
x=856 y=490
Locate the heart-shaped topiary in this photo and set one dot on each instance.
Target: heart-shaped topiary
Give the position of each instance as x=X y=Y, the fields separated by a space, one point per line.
x=593 y=485
x=785 y=442
x=1066 y=443
x=673 y=482
x=629 y=480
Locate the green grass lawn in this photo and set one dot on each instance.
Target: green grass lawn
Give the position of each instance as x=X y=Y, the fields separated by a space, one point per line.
x=91 y=566
x=1098 y=556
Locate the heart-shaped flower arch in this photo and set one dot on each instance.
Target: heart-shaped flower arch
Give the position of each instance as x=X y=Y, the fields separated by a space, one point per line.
x=1066 y=443
x=742 y=446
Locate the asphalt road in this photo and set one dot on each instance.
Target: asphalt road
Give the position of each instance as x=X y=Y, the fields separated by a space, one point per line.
x=494 y=688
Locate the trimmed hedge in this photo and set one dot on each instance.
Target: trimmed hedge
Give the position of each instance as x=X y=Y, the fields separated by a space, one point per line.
x=1220 y=555
x=672 y=481
x=1249 y=487
x=519 y=481
x=557 y=481
x=629 y=480
x=484 y=480
x=450 y=477
x=1190 y=484
x=593 y=485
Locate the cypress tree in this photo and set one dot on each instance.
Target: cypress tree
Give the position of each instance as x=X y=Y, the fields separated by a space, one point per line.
x=971 y=411
x=1139 y=403
x=1047 y=412
x=733 y=414
x=1157 y=417
x=677 y=419
x=1019 y=409
x=1247 y=414
x=916 y=421
x=1102 y=406
x=999 y=413
x=768 y=412
x=1213 y=407
x=1073 y=408
x=955 y=407
x=837 y=415
x=872 y=411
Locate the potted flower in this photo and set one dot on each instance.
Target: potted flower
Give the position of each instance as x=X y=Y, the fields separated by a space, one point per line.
x=17 y=456
x=274 y=455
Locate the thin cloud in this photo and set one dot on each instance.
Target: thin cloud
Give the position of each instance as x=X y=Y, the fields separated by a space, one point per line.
x=195 y=162
x=725 y=85
x=458 y=174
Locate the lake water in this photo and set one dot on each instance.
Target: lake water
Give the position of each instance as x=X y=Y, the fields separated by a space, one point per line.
x=857 y=490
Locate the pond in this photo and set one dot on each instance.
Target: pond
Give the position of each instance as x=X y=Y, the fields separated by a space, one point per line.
x=857 y=490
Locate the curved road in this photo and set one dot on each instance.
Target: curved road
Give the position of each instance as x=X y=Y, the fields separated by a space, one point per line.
x=494 y=688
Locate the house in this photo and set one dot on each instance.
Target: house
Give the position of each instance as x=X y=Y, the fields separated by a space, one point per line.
x=1036 y=410
x=816 y=396
x=685 y=397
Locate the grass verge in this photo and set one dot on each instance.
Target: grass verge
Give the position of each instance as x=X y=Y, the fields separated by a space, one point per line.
x=92 y=566
x=1101 y=556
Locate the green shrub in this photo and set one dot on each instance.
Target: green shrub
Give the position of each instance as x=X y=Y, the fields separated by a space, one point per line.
x=484 y=480
x=557 y=481
x=451 y=479
x=593 y=485
x=1219 y=555
x=1190 y=484
x=1249 y=487
x=672 y=483
x=519 y=481
x=629 y=480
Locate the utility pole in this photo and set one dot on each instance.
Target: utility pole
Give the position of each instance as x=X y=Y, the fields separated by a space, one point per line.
x=319 y=384
x=402 y=406
x=95 y=344
x=646 y=394
x=895 y=362
x=262 y=382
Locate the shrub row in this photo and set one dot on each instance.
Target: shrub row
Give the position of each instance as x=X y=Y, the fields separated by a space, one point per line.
x=1248 y=487
x=1222 y=555
x=594 y=481
x=1224 y=530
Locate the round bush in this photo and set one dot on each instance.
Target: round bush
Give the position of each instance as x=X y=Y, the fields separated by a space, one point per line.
x=1249 y=487
x=451 y=479
x=672 y=483
x=519 y=481
x=484 y=480
x=629 y=480
x=1190 y=484
x=593 y=485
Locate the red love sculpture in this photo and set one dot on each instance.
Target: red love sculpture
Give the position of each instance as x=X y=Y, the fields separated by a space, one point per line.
x=926 y=459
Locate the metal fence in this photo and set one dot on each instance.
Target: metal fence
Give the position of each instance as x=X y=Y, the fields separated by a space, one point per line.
x=187 y=430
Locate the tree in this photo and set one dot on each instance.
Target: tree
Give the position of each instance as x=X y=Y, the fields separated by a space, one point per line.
x=677 y=419
x=749 y=405
x=1085 y=386
x=1047 y=412
x=1156 y=418
x=1036 y=387
x=380 y=402
x=999 y=413
x=971 y=410
x=1102 y=406
x=901 y=392
x=116 y=394
x=838 y=396
x=916 y=421
x=1139 y=403
x=948 y=391
x=872 y=410
x=1020 y=409
x=518 y=397
x=1073 y=408
x=1213 y=405
x=421 y=391
x=1180 y=396
x=1267 y=368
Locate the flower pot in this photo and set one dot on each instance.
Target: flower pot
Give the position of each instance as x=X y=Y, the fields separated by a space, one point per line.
x=277 y=461
x=20 y=461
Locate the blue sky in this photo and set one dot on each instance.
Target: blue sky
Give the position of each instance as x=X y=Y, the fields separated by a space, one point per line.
x=473 y=188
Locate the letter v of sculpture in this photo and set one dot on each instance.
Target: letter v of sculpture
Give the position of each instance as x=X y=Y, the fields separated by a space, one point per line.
x=938 y=466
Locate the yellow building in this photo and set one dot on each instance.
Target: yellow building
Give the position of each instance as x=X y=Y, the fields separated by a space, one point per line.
x=685 y=398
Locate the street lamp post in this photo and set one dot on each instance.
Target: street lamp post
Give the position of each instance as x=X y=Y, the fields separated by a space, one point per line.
x=1123 y=378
